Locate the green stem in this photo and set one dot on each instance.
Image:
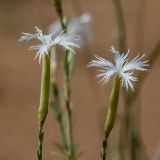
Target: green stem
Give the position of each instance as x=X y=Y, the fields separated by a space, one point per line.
x=44 y=98
x=68 y=103
x=120 y=37
x=58 y=6
x=111 y=115
x=71 y=154
x=58 y=113
x=40 y=142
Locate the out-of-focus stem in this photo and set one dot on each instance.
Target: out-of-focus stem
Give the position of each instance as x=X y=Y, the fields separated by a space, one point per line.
x=44 y=98
x=135 y=141
x=155 y=53
x=77 y=7
x=140 y=24
x=131 y=98
x=120 y=37
x=111 y=115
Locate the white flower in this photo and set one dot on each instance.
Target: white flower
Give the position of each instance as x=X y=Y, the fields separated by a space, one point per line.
x=66 y=40
x=122 y=67
x=78 y=25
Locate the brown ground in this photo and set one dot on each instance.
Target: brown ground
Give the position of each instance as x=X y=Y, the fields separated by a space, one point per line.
x=20 y=79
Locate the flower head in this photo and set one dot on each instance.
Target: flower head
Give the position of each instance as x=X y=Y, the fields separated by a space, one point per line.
x=78 y=25
x=66 y=40
x=122 y=67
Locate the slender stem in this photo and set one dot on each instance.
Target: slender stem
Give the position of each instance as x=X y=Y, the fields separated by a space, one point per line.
x=111 y=115
x=68 y=102
x=121 y=30
x=58 y=114
x=77 y=7
x=155 y=53
x=71 y=155
x=130 y=101
x=136 y=145
x=44 y=98
x=120 y=40
x=58 y=6
x=40 y=142
x=135 y=141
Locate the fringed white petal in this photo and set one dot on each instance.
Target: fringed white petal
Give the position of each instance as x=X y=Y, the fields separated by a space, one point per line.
x=122 y=67
x=67 y=40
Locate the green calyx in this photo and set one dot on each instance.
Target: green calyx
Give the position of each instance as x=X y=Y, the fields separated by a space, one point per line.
x=45 y=85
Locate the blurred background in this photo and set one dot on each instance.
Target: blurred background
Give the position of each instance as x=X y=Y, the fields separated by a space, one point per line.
x=20 y=76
